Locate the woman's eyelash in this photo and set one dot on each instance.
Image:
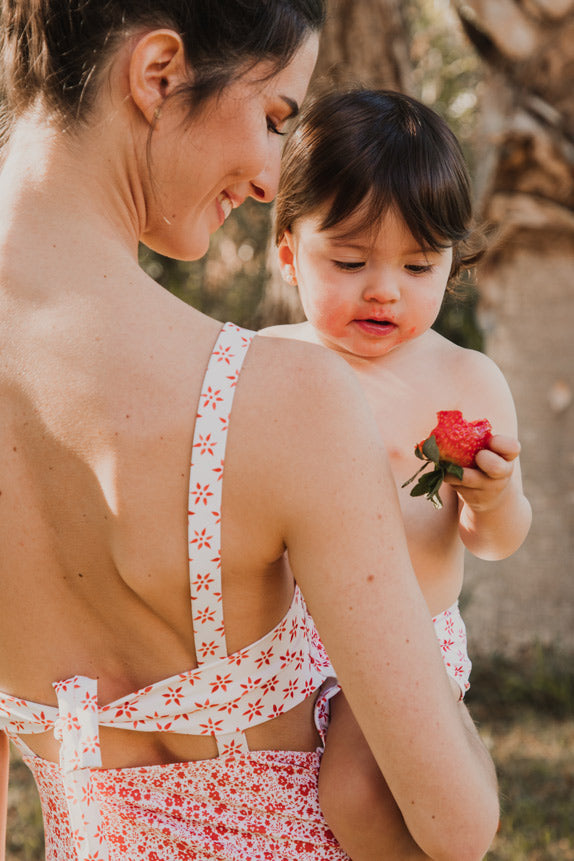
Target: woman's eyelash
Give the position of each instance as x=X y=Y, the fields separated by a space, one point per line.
x=273 y=128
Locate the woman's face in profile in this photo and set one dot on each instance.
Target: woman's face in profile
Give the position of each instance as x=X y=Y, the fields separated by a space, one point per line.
x=205 y=166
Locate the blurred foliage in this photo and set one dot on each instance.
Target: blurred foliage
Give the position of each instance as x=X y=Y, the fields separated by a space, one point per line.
x=457 y=319
x=446 y=75
x=540 y=678
x=230 y=281
x=447 y=71
x=25 y=832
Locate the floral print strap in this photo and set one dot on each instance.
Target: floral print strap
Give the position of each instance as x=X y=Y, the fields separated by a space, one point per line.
x=204 y=510
x=77 y=731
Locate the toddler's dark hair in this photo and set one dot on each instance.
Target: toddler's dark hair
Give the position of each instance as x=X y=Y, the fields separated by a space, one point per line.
x=372 y=150
x=57 y=49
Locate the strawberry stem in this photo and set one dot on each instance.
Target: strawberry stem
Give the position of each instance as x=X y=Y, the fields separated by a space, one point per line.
x=418 y=472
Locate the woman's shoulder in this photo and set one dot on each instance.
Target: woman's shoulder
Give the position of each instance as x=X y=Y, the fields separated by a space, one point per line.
x=299 y=425
x=291 y=331
x=295 y=399
x=292 y=371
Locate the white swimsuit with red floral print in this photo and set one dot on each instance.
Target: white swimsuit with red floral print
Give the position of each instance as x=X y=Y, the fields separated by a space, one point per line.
x=222 y=697
x=256 y=805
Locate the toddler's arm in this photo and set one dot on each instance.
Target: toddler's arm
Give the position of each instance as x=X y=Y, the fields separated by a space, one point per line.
x=355 y=798
x=354 y=795
x=495 y=515
x=4 y=770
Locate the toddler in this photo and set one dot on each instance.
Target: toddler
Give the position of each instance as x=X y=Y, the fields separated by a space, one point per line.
x=373 y=222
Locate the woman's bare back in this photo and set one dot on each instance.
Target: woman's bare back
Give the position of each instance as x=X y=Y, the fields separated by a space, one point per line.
x=96 y=447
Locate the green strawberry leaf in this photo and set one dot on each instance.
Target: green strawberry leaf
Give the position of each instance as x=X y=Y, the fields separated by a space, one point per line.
x=438 y=479
x=436 y=500
x=453 y=469
x=418 y=472
x=430 y=449
x=428 y=484
x=418 y=490
x=432 y=479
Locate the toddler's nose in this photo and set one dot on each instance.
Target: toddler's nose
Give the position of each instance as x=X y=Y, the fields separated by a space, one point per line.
x=382 y=287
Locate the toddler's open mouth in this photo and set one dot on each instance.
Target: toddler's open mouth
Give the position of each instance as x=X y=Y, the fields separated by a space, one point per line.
x=372 y=326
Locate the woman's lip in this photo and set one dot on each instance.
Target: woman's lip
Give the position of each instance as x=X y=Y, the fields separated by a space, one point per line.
x=376 y=327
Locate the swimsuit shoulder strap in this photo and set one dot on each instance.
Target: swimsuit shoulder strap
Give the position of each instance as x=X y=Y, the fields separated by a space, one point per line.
x=205 y=487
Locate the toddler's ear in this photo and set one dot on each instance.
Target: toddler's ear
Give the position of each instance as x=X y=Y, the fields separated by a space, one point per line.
x=287 y=258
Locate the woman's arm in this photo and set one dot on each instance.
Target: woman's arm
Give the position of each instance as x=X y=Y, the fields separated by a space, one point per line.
x=348 y=553
x=4 y=771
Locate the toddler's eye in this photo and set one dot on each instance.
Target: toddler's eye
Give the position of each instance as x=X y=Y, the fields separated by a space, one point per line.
x=419 y=268
x=349 y=266
x=272 y=127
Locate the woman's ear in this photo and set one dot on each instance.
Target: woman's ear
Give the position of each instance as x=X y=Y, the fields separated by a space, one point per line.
x=157 y=66
x=286 y=255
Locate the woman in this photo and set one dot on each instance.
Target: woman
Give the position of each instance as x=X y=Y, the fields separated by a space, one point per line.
x=161 y=685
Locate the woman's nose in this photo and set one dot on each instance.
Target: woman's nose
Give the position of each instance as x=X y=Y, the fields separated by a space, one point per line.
x=263 y=187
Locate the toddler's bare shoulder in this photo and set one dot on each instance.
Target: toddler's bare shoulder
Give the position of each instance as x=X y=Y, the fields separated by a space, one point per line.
x=470 y=365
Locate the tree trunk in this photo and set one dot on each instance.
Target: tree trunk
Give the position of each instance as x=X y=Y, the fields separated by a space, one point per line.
x=349 y=55
x=364 y=42
x=526 y=282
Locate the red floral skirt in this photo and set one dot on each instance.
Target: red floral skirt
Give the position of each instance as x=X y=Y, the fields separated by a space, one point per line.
x=261 y=806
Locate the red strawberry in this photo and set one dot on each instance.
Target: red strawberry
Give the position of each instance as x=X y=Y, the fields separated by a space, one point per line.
x=451 y=446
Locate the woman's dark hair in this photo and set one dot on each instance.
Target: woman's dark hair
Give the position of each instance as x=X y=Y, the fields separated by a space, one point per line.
x=57 y=49
x=366 y=151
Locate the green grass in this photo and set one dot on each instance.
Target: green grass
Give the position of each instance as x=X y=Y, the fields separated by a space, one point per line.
x=525 y=712
x=534 y=755
x=25 y=841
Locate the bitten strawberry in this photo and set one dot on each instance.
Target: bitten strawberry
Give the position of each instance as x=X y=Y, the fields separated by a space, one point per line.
x=451 y=446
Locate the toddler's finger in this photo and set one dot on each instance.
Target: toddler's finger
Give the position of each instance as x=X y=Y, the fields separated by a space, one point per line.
x=506 y=447
x=494 y=464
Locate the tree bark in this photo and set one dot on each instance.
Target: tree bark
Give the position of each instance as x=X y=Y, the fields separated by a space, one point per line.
x=526 y=186
x=364 y=42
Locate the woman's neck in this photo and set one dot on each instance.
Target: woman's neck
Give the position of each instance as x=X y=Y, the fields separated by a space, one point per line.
x=77 y=193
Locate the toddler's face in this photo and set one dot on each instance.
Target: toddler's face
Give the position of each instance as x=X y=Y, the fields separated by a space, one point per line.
x=365 y=293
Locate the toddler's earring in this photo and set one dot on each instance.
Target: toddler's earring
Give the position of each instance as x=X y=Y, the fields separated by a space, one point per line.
x=291 y=278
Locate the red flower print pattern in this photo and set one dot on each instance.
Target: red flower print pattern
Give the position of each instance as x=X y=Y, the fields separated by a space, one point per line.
x=451 y=633
x=186 y=812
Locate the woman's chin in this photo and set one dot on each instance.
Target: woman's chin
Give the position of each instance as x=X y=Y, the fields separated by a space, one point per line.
x=187 y=248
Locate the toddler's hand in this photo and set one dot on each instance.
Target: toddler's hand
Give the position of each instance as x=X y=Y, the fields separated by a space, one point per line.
x=483 y=487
